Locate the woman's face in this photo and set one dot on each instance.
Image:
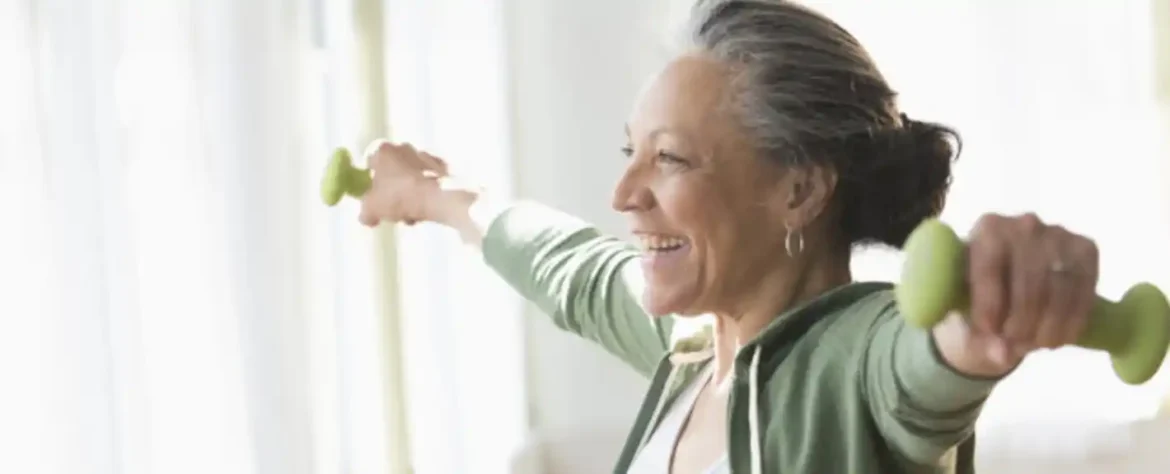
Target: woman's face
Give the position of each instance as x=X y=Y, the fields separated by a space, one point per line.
x=705 y=208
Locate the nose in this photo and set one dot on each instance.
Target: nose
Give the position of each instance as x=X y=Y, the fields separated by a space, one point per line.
x=632 y=193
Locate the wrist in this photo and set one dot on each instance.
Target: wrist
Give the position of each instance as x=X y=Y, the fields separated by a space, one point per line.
x=463 y=208
x=450 y=202
x=967 y=355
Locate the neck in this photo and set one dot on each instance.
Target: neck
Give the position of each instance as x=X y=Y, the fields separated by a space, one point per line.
x=800 y=280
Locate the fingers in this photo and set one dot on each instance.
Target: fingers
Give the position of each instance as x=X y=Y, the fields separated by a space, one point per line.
x=1082 y=292
x=1071 y=276
x=1057 y=321
x=1029 y=281
x=1055 y=317
x=433 y=163
x=377 y=152
x=370 y=219
x=381 y=153
x=367 y=217
x=400 y=173
x=989 y=262
x=1031 y=284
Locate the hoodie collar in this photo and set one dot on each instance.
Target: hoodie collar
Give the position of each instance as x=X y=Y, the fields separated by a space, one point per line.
x=692 y=344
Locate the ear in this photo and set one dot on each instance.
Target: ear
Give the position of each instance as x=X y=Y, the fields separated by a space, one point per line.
x=808 y=190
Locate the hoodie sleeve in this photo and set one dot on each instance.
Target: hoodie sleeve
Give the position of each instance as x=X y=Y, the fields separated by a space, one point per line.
x=921 y=405
x=588 y=283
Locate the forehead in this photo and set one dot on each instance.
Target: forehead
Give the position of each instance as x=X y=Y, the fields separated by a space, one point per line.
x=688 y=93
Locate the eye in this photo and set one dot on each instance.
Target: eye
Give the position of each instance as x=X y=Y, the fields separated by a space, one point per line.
x=670 y=159
x=628 y=151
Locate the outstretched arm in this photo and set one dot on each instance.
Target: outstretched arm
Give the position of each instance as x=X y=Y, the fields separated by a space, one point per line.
x=1030 y=286
x=588 y=283
x=921 y=405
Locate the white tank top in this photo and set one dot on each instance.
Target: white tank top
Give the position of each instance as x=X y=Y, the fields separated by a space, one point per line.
x=655 y=456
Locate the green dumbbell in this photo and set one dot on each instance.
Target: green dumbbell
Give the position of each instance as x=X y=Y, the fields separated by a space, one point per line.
x=342 y=178
x=1135 y=331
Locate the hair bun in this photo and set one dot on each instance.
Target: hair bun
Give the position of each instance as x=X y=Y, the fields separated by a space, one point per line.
x=895 y=191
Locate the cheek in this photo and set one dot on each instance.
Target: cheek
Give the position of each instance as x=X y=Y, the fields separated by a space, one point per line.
x=703 y=215
x=689 y=207
x=726 y=228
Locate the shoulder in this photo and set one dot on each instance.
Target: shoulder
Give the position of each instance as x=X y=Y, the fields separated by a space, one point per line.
x=839 y=337
x=857 y=319
x=867 y=312
x=826 y=358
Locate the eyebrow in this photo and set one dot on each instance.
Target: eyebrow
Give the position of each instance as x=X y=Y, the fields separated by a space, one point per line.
x=658 y=131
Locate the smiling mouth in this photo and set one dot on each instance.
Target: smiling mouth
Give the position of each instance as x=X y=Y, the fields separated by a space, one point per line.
x=659 y=244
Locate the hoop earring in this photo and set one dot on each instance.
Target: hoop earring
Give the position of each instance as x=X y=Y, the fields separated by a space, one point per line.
x=789 y=233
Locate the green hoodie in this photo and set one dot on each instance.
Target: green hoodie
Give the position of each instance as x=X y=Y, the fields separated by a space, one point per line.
x=837 y=385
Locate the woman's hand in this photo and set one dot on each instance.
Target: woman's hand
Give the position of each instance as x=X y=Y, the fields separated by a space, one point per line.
x=1032 y=286
x=406 y=185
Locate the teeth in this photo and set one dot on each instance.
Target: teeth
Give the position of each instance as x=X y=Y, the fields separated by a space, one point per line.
x=659 y=242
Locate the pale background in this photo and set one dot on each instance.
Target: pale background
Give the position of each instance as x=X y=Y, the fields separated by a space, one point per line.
x=174 y=298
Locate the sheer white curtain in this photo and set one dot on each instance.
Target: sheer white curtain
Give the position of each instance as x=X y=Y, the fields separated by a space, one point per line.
x=463 y=338
x=1057 y=106
x=173 y=297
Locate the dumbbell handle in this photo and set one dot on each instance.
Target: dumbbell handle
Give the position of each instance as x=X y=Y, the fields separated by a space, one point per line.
x=1135 y=330
x=1111 y=325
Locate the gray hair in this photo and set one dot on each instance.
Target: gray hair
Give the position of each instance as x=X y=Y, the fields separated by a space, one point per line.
x=809 y=94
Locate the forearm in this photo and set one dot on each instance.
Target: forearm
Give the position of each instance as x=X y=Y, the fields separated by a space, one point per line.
x=922 y=404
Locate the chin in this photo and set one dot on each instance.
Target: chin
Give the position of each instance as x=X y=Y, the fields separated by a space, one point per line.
x=667 y=302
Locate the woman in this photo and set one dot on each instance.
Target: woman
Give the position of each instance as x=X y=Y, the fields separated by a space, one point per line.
x=757 y=160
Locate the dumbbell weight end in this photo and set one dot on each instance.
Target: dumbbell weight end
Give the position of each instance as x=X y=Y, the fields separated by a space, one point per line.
x=342 y=178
